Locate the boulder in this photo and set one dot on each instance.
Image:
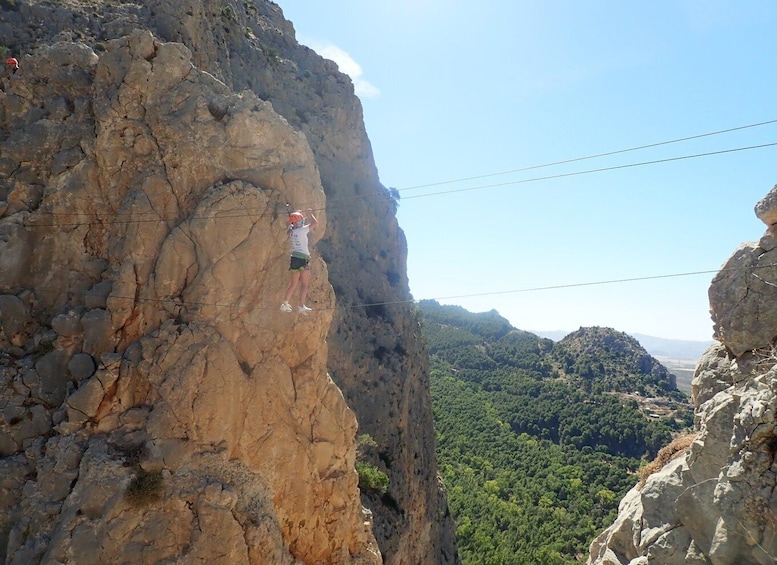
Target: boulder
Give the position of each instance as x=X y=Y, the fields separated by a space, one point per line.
x=13 y=316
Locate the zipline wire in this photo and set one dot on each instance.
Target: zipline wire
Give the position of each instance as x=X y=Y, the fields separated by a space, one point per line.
x=471 y=295
x=595 y=156
x=590 y=171
x=615 y=152
x=480 y=187
x=177 y=302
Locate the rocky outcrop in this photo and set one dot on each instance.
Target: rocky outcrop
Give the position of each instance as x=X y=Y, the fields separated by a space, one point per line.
x=155 y=404
x=716 y=504
x=746 y=287
x=111 y=280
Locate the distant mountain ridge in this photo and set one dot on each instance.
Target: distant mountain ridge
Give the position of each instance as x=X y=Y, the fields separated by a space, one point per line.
x=673 y=348
x=660 y=347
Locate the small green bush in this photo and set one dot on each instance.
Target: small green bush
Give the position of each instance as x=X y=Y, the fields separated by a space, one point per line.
x=228 y=13
x=372 y=478
x=365 y=440
x=144 y=488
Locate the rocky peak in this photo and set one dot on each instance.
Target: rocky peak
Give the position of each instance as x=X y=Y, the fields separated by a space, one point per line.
x=603 y=342
x=598 y=351
x=714 y=503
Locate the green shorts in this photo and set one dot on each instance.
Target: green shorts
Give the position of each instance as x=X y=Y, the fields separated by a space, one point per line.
x=298 y=264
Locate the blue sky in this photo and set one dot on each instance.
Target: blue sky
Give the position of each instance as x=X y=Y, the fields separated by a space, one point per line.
x=454 y=90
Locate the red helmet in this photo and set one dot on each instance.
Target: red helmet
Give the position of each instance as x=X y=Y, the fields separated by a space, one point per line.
x=12 y=62
x=295 y=217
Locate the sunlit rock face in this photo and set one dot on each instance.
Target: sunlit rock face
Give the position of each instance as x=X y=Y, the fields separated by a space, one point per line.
x=144 y=183
x=144 y=256
x=716 y=503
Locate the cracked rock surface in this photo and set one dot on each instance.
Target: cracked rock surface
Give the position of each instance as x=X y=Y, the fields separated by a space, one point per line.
x=155 y=405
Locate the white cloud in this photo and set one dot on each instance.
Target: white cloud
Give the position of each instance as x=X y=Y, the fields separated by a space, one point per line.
x=347 y=65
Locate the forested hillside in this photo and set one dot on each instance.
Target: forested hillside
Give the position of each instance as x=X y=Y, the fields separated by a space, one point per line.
x=537 y=442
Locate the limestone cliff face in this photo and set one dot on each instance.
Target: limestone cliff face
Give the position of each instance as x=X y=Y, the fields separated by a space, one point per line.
x=716 y=503
x=144 y=178
x=143 y=256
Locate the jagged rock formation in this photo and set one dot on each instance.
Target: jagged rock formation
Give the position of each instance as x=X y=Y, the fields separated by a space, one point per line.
x=144 y=183
x=716 y=503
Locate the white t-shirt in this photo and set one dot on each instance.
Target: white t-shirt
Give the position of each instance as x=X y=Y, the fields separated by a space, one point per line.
x=299 y=241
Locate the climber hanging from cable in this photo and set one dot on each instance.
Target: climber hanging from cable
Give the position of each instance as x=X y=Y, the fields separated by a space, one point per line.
x=11 y=72
x=299 y=266
x=12 y=64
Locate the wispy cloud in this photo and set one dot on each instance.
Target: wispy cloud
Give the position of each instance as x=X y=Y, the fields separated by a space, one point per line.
x=347 y=65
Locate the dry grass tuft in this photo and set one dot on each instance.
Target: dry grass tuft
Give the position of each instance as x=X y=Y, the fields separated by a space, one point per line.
x=676 y=448
x=144 y=488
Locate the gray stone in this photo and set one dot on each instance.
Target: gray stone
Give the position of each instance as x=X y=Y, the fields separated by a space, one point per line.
x=24 y=196
x=15 y=251
x=57 y=108
x=41 y=419
x=54 y=377
x=13 y=315
x=66 y=159
x=83 y=403
x=67 y=325
x=713 y=373
x=98 y=332
x=743 y=300
x=13 y=414
x=31 y=379
x=97 y=296
x=766 y=209
x=7 y=445
x=81 y=366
